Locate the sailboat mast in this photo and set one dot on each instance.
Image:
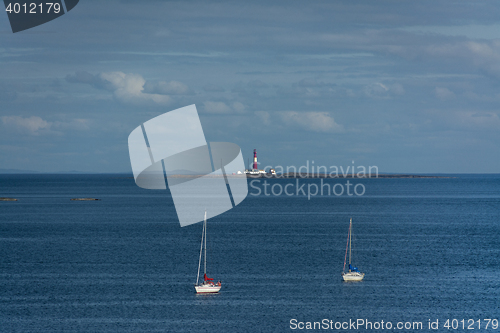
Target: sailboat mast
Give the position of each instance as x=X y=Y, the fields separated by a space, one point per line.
x=350 y=236
x=345 y=256
x=201 y=250
x=205 y=227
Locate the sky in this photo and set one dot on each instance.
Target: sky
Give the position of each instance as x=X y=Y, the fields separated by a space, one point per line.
x=409 y=87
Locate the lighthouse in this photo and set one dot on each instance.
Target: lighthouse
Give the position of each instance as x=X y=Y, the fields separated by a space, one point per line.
x=255 y=166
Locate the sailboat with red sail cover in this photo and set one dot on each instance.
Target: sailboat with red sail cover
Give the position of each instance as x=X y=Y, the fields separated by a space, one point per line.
x=208 y=285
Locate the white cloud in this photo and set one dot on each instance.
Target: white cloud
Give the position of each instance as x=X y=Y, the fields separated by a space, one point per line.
x=477 y=120
x=73 y=125
x=223 y=108
x=397 y=89
x=129 y=88
x=380 y=90
x=481 y=54
x=216 y=107
x=238 y=107
x=312 y=121
x=32 y=125
x=264 y=117
x=167 y=88
x=484 y=56
x=444 y=93
x=37 y=126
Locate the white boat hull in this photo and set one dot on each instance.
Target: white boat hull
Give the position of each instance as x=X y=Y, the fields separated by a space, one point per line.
x=207 y=289
x=353 y=276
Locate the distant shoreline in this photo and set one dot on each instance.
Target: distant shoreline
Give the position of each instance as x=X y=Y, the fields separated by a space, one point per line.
x=316 y=175
x=309 y=175
x=283 y=176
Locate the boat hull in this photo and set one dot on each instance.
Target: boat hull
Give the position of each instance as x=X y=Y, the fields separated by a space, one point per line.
x=207 y=289
x=353 y=276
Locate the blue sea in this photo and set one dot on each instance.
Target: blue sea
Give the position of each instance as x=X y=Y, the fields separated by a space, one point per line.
x=430 y=249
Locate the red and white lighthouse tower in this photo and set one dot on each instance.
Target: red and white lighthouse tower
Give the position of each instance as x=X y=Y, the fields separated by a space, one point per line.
x=255 y=166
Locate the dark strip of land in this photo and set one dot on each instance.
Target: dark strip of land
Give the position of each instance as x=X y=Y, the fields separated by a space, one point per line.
x=85 y=199
x=8 y=199
x=325 y=175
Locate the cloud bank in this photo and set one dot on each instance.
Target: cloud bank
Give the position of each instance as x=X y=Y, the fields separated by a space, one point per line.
x=132 y=88
x=36 y=126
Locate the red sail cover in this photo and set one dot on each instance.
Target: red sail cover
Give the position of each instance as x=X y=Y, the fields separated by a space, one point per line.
x=207 y=278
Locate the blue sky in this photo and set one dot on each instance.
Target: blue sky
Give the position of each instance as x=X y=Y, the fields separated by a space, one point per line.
x=410 y=87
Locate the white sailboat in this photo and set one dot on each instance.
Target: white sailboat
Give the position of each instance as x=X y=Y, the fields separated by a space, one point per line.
x=353 y=273
x=208 y=285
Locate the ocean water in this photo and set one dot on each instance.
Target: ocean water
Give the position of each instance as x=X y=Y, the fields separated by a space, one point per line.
x=430 y=249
